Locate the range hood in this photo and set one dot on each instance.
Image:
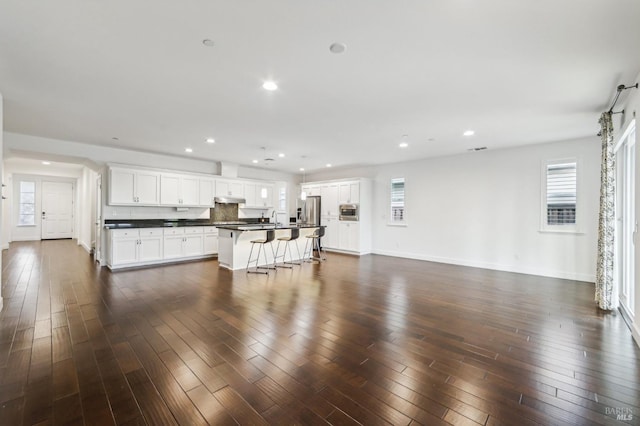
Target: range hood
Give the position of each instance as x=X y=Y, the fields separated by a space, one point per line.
x=230 y=200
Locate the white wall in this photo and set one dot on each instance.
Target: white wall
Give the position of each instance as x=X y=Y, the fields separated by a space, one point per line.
x=86 y=202
x=631 y=108
x=483 y=209
x=94 y=156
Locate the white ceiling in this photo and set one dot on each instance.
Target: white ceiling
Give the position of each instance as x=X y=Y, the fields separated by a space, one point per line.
x=516 y=72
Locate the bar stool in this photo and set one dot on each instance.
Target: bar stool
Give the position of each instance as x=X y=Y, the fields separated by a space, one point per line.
x=271 y=234
x=314 y=239
x=293 y=236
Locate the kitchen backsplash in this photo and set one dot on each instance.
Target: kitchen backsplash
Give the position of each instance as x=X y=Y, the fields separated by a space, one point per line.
x=224 y=212
x=122 y=212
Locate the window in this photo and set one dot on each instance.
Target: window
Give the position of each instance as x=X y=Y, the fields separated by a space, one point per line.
x=27 y=212
x=560 y=195
x=397 y=201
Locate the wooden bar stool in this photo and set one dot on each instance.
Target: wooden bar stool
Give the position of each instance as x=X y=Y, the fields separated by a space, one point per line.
x=269 y=237
x=314 y=239
x=293 y=236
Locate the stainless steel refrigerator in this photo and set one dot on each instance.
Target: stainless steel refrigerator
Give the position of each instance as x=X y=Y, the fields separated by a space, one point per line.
x=309 y=211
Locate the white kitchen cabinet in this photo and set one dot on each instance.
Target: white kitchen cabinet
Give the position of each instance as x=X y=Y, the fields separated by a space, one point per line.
x=150 y=246
x=265 y=189
x=349 y=193
x=311 y=190
x=134 y=187
x=173 y=239
x=210 y=242
x=229 y=188
x=330 y=239
x=179 y=190
x=253 y=195
x=329 y=200
x=133 y=246
x=349 y=236
x=250 y=194
x=207 y=192
x=124 y=251
x=183 y=242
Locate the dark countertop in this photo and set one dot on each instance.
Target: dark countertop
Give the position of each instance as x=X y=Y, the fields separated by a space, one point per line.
x=267 y=226
x=160 y=223
x=241 y=225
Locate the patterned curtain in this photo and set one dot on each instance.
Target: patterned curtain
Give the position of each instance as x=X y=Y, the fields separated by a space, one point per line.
x=606 y=294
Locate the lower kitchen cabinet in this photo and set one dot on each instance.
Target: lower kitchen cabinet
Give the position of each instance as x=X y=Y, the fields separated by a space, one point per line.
x=144 y=246
x=349 y=236
x=210 y=240
x=183 y=242
x=330 y=239
x=133 y=246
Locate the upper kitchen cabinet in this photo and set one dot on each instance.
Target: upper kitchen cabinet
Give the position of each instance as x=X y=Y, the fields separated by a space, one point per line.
x=264 y=195
x=133 y=187
x=179 y=190
x=207 y=191
x=329 y=199
x=229 y=188
x=311 y=190
x=250 y=194
x=349 y=193
x=258 y=195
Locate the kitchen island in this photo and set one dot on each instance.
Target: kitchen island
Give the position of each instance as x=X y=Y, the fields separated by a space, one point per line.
x=234 y=242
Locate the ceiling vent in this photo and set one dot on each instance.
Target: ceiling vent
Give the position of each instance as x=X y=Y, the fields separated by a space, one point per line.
x=480 y=148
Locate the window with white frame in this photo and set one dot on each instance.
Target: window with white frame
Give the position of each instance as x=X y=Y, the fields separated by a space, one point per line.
x=27 y=204
x=398 y=209
x=560 y=195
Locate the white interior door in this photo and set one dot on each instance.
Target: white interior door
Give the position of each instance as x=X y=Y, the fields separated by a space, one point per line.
x=57 y=210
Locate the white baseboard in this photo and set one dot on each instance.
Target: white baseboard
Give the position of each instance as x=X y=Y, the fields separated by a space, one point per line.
x=84 y=246
x=25 y=239
x=635 y=332
x=494 y=266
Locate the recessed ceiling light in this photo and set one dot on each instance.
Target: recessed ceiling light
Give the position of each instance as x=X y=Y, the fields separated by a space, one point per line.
x=403 y=144
x=46 y=163
x=302 y=169
x=328 y=164
x=337 y=47
x=281 y=155
x=270 y=86
x=207 y=42
x=469 y=133
x=188 y=150
x=211 y=140
x=254 y=161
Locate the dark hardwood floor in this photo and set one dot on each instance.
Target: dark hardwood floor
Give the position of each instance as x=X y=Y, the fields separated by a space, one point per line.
x=371 y=340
